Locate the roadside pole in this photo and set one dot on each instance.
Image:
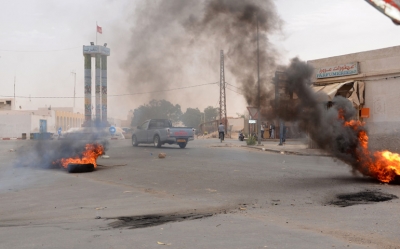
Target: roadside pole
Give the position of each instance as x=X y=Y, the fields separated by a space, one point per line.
x=258 y=83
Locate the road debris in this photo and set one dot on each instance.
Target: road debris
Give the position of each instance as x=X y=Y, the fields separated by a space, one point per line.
x=164 y=244
x=105 y=156
x=162 y=155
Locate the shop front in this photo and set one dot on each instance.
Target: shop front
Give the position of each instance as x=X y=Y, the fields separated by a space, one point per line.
x=371 y=81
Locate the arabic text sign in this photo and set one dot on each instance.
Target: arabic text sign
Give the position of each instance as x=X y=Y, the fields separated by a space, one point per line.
x=96 y=49
x=338 y=70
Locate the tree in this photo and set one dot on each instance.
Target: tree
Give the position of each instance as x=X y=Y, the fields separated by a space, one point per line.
x=211 y=113
x=192 y=117
x=162 y=109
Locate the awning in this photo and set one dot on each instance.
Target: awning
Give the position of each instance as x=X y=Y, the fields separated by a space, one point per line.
x=355 y=94
x=330 y=90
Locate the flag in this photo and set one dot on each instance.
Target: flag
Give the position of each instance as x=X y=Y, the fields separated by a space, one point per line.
x=99 y=29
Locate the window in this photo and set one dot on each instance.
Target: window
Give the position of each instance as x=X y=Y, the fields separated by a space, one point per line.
x=144 y=125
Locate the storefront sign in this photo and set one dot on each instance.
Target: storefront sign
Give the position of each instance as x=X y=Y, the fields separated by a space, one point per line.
x=338 y=70
x=252 y=121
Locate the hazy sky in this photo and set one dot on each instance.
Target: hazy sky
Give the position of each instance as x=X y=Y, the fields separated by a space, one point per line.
x=41 y=43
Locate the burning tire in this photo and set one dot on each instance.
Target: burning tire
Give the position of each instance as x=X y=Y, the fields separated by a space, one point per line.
x=80 y=168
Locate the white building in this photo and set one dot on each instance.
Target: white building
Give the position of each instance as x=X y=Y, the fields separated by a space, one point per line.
x=7 y=104
x=14 y=123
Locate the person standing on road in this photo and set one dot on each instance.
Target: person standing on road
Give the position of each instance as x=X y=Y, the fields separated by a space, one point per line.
x=262 y=131
x=221 y=130
x=272 y=130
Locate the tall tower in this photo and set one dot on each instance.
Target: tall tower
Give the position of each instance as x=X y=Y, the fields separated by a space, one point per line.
x=100 y=54
x=222 y=95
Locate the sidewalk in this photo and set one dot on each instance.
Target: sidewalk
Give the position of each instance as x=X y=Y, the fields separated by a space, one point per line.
x=294 y=147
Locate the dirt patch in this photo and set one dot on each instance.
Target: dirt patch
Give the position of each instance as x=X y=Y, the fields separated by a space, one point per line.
x=142 y=221
x=363 y=197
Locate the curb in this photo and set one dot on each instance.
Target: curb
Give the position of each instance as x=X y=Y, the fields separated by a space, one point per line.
x=287 y=152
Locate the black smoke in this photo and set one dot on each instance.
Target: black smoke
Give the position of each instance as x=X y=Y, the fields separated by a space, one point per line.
x=172 y=39
x=324 y=124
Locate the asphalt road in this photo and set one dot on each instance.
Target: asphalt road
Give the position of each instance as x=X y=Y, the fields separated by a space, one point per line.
x=209 y=195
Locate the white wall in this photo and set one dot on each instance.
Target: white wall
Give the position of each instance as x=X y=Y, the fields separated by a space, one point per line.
x=35 y=123
x=14 y=123
x=382 y=97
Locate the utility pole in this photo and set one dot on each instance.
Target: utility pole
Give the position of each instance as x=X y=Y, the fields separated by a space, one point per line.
x=14 y=91
x=222 y=95
x=258 y=85
x=74 y=73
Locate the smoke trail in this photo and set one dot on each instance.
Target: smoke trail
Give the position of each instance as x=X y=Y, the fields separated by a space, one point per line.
x=173 y=38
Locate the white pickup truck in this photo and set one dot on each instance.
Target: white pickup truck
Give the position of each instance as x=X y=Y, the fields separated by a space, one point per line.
x=160 y=131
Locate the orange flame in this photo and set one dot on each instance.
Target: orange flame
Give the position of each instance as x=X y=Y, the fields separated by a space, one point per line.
x=89 y=156
x=382 y=165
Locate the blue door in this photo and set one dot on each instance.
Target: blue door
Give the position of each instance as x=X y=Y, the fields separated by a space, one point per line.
x=43 y=126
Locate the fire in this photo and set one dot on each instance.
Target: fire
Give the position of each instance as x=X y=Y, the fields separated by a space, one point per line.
x=382 y=165
x=89 y=156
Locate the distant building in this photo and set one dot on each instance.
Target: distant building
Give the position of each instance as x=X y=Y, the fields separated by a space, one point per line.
x=68 y=117
x=127 y=122
x=7 y=104
x=13 y=123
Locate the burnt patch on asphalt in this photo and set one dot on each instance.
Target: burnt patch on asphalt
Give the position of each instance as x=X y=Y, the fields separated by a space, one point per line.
x=363 y=197
x=151 y=220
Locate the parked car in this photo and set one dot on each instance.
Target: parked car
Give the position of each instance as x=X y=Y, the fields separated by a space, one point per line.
x=160 y=131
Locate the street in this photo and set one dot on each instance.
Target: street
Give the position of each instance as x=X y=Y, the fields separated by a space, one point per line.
x=209 y=195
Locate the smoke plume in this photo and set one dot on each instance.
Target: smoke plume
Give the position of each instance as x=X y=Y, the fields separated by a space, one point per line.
x=325 y=126
x=181 y=39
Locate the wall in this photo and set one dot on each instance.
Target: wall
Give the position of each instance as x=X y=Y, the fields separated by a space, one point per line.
x=238 y=123
x=35 y=123
x=67 y=119
x=14 y=124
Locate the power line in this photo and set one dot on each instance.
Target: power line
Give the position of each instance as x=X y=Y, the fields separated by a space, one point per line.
x=234 y=91
x=111 y=95
x=38 y=51
x=234 y=86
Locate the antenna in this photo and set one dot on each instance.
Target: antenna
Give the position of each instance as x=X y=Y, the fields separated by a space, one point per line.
x=74 y=73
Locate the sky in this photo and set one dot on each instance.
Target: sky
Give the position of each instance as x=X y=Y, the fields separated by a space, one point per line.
x=41 y=44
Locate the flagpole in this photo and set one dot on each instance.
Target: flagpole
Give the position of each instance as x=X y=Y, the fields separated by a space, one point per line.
x=96 y=32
